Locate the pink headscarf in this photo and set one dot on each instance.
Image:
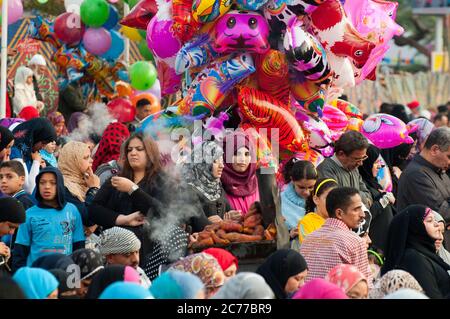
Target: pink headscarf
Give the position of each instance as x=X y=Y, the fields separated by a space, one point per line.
x=319 y=289
x=345 y=276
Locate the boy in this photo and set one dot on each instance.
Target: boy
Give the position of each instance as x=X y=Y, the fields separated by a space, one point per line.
x=52 y=226
x=12 y=179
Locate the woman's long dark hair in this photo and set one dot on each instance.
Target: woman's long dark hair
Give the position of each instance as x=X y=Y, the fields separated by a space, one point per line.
x=322 y=184
x=153 y=167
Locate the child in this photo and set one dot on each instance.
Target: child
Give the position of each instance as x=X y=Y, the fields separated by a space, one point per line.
x=48 y=154
x=12 y=179
x=52 y=226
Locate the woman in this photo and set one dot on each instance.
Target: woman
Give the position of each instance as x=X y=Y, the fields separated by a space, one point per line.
x=48 y=155
x=320 y=289
x=125 y=290
x=37 y=283
x=90 y=263
x=177 y=284
x=24 y=94
x=245 y=285
x=239 y=173
x=381 y=209
x=109 y=275
x=392 y=281
x=140 y=191
x=109 y=148
x=206 y=268
x=58 y=122
x=30 y=137
x=81 y=184
x=411 y=247
x=317 y=208
x=301 y=176
x=227 y=261
x=424 y=129
x=284 y=271
x=442 y=252
x=6 y=143
x=350 y=279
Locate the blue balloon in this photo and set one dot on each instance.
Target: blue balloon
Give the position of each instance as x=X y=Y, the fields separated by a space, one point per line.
x=117 y=47
x=113 y=18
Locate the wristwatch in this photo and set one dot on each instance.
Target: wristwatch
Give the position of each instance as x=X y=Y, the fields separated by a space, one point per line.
x=133 y=188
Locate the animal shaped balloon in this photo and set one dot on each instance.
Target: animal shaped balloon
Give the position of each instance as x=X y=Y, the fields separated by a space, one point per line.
x=195 y=53
x=335 y=119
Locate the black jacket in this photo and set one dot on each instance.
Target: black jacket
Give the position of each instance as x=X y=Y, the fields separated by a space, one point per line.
x=82 y=206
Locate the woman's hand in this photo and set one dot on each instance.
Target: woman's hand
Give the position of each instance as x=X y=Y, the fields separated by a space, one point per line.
x=5 y=251
x=215 y=219
x=193 y=239
x=134 y=219
x=122 y=184
x=35 y=156
x=91 y=179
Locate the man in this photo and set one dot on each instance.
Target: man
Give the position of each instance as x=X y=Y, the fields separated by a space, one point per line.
x=424 y=180
x=12 y=214
x=143 y=110
x=120 y=246
x=349 y=153
x=335 y=242
x=39 y=67
x=440 y=120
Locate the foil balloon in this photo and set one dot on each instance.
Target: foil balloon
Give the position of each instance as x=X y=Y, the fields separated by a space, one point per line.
x=241 y=31
x=343 y=76
x=140 y=15
x=263 y=111
x=211 y=85
x=205 y=11
x=384 y=175
x=195 y=53
x=42 y=30
x=170 y=81
x=352 y=111
x=184 y=25
x=335 y=119
x=266 y=159
x=387 y=131
x=307 y=93
x=354 y=124
x=252 y=5
x=272 y=73
x=306 y=53
x=278 y=15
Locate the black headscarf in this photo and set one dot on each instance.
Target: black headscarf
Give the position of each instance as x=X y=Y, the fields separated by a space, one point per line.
x=407 y=230
x=365 y=170
x=53 y=261
x=6 y=136
x=281 y=265
x=89 y=261
x=103 y=279
x=11 y=210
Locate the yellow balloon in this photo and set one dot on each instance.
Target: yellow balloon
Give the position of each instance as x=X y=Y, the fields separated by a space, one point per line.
x=204 y=11
x=131 y=33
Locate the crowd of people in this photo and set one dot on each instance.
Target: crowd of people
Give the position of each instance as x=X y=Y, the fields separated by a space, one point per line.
x=108 y=217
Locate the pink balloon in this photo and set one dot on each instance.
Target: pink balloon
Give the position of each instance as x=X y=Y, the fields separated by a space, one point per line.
x=97 y=41
x=335 y=119
x=15 y=10
x=160 y=38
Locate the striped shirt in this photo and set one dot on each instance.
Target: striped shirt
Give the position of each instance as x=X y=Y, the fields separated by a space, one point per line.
x=334 y=243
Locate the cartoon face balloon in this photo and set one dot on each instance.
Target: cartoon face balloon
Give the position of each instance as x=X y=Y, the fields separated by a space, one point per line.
x=319 y=135
x=204 y=11
x=241 y=31
x=386 y=131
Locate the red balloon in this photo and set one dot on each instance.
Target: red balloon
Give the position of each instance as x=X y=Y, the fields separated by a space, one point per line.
x=122 y=110
x=141 y=14
x=69 y=28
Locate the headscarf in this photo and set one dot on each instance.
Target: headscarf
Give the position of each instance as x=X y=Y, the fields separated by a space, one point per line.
x=11 y=210
x=424 y=129
x=224 y=257
x=365 y=170
x=279 y=266
x=74 y=120
x=442 y=252
x=407 y=230
x=109 y=275
x=118 y=240
x=62 y=276
x=69 y=160
x=235 y=183
x=28 y=133
x=345 y=276
x=53 y=261
x=176 y=284
x=319 y=289
x=9 y=289
x=125 y=290
x=6 y=136
x=245 y=285
x=406 y=293
x=198 y=173
x=392 y=281
x=28 y=113
x=204 y=266
x=36 y=283
x=11 y=122
x=109 y=148
x=20 y=79
x=56 y=118
x=49 y=157
x=89 y=261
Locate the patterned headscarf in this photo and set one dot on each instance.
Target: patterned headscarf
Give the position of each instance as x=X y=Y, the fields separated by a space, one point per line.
x=69 y=160
x=392 y=281
x=56 y=118
x=89 y=261
x=109 y=148
x=199 y=172
x=118 y=240
x=204 y=266
x=345 y=276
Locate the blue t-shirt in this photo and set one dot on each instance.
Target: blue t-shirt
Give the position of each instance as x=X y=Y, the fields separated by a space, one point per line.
x=47 y=231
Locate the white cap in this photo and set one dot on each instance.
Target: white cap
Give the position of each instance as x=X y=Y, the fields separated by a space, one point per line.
x=37 y=59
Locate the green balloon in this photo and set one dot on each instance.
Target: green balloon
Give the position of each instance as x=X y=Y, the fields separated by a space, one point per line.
x=94 y=13
x=131 y=3
x=145 y=51
x=143 y=33
x=143 y=75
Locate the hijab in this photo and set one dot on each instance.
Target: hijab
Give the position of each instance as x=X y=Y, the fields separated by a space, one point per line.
x=319 y=289
x=345 y=276
x=176 y=284
x=442 y=252
x=109 y=275
x=223 y=257
x=236 y=183
x=20 y=80
x=278 y=267
x=53 y=261
x=392 y=281
x=125 y=290
x=245 y=285
x=109 y=148
x=406 y=293
x=365 y=170
x=69 y=160
x=36 y=283
x=74 y=121
x=407 y=230
x=56 y=118
x=198 y=173
x=28 y=133
x=89 y=261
